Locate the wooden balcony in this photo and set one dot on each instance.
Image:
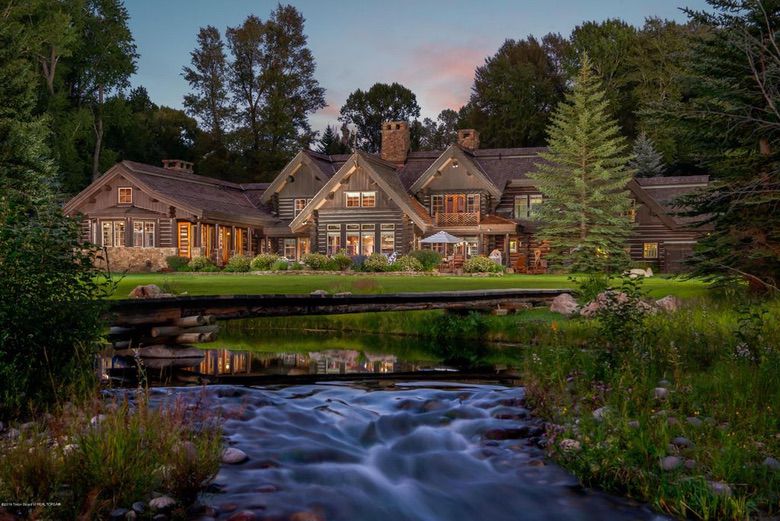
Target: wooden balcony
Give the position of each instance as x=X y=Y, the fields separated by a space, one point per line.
x=457 y=219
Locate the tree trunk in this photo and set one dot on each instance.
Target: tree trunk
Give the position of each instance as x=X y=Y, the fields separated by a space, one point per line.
x=98 y=126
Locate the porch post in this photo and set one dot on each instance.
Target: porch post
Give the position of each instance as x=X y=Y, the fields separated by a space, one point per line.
x=507 y=262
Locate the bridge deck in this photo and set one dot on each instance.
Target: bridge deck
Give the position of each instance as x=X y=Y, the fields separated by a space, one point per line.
x=248 y=306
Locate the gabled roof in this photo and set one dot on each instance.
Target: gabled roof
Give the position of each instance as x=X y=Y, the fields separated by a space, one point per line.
x=386 y=177
x=322 y=163
x=204 y=197
x=455 y=153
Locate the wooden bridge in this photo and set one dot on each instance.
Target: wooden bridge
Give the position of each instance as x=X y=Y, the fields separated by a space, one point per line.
x=132 y=312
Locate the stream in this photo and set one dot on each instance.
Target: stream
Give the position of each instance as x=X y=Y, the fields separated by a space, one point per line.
x=371 y=447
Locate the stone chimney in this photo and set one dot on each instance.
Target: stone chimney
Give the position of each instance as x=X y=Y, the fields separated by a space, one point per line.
x=395 y=141
x=468 y=138
x=177 y=165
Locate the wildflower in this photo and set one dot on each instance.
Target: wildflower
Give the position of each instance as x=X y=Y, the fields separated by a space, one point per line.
x=554 y=326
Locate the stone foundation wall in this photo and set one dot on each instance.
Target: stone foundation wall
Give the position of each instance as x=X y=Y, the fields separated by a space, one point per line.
x=136 y=259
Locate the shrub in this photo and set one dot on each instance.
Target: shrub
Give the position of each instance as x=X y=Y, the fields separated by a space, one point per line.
x=238 y=263
x=280 y=265
x=481 y=264
x=202 y=263
x=342 y=261
x=177 y=263
x=376 y=262
x=357 y=262
x=406 y=263
x=316 y=261
x=428 y=258
x=296 y=266
x=264 y=261
x=589 y=286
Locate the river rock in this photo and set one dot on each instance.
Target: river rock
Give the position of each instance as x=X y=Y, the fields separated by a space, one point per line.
x=97 y=420
x=682 y=442
x=671 y=421
x=118 y=514
x=306 y=516
x=244 y=515
x=162 y=503
x=148 y=291
x=318 y=293
x=690 y=464
x=12 y=434
x=633 y=424
x=661 y=393
x=138 y=507
x=570 y=445
x=669 y=303
x=507 y=434
x=694 y=421
x=639 y=272
x=600 y=413
x=609 y=298
x=671 y=463
x=131 y=516
x=771 y=463
x=720 y=488
x=233 y=456
x=564 y=304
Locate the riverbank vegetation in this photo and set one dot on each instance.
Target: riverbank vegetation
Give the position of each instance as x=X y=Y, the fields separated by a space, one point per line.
x=679 y=409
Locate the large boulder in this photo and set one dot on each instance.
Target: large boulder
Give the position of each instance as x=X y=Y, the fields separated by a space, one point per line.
x=564 y=304
x=639 y=272
x=607 y=298
x=148 y=291
x=669 y=303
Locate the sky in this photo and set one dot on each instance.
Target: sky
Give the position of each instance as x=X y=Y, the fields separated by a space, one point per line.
x=430 y=46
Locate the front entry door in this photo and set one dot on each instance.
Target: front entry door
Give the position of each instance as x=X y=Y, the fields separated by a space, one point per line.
x=185 y=239
x=225 y=244
x=304 y=247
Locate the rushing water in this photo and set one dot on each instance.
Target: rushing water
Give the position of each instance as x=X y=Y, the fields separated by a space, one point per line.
x=375 y=448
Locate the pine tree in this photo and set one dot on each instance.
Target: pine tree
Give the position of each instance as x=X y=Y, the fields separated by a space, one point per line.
x=331 y=143
x=583 y=180
x=647 y=162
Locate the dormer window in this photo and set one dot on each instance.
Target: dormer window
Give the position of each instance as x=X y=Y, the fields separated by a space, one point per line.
x=125 y=195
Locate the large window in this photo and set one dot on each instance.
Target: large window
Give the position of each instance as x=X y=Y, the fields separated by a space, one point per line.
x=113 y=233
x=143 y=234
x=650 y=250
x=437 y=204
x=353 y=243
x=387 y=242
x=125 y=195
x=352 y=199
x=360 y=199
x=367 y=243
x=289 y=248
x=334 y=242
x=524 y=205
x=472 y=203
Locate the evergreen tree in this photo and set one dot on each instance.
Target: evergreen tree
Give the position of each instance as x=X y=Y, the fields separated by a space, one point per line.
x=583 y=181
x=647 y=162
x=331 y=143
x=731 y=120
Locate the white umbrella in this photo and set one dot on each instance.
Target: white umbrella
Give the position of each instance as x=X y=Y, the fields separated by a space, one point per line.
x=442 y=238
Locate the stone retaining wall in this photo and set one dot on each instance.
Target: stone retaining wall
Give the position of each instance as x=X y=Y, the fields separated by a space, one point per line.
x=136 y=259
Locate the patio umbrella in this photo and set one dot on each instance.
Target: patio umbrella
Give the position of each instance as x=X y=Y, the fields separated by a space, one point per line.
x=442 y=238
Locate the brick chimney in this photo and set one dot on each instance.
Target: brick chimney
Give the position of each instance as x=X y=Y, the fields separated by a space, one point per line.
x=468 y=138
x=395 y=141
x=177 y=165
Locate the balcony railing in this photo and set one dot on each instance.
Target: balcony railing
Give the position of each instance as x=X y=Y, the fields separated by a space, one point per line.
x=457 y=219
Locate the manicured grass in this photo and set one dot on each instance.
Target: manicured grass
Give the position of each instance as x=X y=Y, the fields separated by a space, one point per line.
x=246 y=284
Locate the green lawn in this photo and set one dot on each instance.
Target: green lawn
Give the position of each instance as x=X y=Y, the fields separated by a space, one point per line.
x=244 y=284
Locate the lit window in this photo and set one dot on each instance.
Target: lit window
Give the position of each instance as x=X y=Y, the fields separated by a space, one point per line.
x=352 y=199
x=334 y=242
x=300 y=204
x=387 y=226
x=368 y=199
x=367 y=243
x=143 y=234
x=524 y=205
x=353 y=243
x=368 y=227
x=334 y=227
x=387 y=242
x=472 y=203
x=125 y=195
x=650 y=250
x=289 y=248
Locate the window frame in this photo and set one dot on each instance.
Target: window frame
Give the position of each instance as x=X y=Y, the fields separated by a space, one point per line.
x=437 y=204
x=288 y=242
x=651 y=247
x=296 y=201
x=371 y=195
x=382 y=236
x=352 y=199
x=330 y=248
x=119 y=192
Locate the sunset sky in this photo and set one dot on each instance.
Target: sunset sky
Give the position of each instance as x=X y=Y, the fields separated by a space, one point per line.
x=432 y=47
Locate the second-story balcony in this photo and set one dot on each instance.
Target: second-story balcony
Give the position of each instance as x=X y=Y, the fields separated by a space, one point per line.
x=457 y=219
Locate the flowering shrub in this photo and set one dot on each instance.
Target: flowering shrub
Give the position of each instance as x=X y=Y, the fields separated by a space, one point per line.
x=238 y=263
x=316 y=261
x=202 y=263
x=480 y=264
x=428 y=258
x=376 y=262
x=264 y=261
x=342 y=261
x=280 y=265
x=406 y=263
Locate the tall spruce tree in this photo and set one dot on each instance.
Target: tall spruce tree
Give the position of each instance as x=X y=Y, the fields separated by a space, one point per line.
x=731 y=119
x=331 y=143
x=583 y=180
x=647 y=162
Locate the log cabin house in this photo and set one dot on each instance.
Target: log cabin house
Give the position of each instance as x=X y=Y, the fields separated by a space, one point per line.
x=360 y=203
